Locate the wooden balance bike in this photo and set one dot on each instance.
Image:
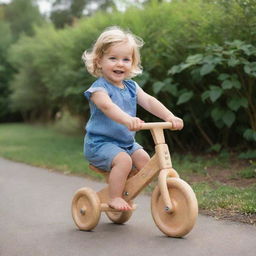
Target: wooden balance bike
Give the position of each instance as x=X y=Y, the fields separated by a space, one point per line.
x=173 y=203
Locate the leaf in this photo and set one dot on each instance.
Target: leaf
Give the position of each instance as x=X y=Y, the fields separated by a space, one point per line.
x=143 y=78
x=247 y=48
x=235 y=43
x=217 y=114
x=209 y=59
x=165 y=86
x=229 y=118
x=216 y=147
x=247 y=69
x=250 y=69
x=250 y=135
x=174 y=70
x=195 y=73
x=234 y=104
x=206 y=69
x=172 y=89
x=205 y=95
x=236 y=84
x=244 y=102
x=185 y=97
x=157 y=86
x=250 y=154
x=227 y=84
x=223 y=76
x=2 y=68
x=232 y=62
x=184 y=66
x=194 y=59
x=215 y=93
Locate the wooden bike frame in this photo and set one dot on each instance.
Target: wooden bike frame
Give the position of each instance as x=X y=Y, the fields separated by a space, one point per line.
x=160 y=164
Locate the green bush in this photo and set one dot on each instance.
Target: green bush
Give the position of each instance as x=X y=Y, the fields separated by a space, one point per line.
x=223 y=77
x=49 y=64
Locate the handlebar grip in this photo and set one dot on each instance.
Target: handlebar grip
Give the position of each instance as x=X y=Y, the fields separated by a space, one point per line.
x=161 y=125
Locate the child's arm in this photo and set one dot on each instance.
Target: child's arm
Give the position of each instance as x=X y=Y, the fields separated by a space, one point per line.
x=156 y=108
x=110 y=109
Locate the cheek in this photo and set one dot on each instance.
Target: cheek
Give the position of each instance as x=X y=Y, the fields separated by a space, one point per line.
x=129 y=65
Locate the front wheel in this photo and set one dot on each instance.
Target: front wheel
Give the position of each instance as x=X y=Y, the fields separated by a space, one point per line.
x=185 y=209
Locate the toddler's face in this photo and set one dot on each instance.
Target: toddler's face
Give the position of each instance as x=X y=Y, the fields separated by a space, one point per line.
x=116 y=63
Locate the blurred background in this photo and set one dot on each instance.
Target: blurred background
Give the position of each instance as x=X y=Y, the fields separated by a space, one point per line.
x=199 y=59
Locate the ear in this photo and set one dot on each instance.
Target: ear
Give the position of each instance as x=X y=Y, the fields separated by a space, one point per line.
x=98 y=62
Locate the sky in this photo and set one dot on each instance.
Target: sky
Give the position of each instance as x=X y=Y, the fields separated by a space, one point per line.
x=44 y=5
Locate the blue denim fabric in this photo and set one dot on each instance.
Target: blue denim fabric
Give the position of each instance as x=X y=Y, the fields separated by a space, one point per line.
x=102 y=154
x=105 y=138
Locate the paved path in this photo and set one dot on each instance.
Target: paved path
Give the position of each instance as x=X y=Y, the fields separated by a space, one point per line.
x=35 y=220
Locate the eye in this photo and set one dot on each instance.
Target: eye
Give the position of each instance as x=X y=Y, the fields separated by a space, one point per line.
x=112 y=58
x=126 y=59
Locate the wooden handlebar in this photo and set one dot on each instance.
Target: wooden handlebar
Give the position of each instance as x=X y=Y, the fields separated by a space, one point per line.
x=161 y=125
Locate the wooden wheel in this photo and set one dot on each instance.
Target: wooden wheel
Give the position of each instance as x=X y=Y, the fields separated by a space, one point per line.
x=86 y=209
x=119 y=217
x=179 y=222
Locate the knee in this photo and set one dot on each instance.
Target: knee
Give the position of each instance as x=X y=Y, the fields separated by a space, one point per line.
x=123 y=160
x=145 y=158
x=143 y=161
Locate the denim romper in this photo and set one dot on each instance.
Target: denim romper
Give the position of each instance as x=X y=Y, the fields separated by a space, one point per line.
x=104 y=137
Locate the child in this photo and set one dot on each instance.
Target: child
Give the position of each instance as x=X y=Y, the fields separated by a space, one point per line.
x=109 y=141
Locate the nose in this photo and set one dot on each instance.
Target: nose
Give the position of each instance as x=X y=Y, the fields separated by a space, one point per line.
x=120 y=62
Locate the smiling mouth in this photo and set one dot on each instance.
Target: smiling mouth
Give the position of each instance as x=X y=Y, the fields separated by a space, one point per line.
x=118 y=71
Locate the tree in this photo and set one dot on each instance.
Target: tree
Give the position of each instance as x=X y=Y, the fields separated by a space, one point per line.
x=16 y=18
x=65 y=12
x=22 y=15
x=6 y=70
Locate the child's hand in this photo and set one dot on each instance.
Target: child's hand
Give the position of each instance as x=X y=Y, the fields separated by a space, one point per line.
x=134 y=123
x=177 y=123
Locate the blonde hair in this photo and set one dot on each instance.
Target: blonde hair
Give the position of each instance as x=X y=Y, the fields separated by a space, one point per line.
x=109 y=37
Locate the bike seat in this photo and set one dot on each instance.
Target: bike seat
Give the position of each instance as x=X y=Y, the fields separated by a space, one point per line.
x=106 y=173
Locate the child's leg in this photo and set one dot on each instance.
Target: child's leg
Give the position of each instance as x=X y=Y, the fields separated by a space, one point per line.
x=121 y=166
x=140 y=158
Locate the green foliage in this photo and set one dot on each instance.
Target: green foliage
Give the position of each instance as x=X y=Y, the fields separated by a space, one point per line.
x=22 y=15
x=16 y=18
x=6 y=70
x=66 y=12
x=212 y=90
x=248 y=173
x=224 y=77
x=249 y=154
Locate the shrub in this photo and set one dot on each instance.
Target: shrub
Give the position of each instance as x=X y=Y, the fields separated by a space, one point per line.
x=50 y=62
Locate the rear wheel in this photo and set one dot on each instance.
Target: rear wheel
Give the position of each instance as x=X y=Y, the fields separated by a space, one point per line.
x=119 y=217
x=86 y=209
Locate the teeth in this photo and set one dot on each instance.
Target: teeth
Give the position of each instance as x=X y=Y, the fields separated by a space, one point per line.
x=119 y=71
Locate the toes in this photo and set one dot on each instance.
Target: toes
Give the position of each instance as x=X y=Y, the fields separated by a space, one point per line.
x=120 y=205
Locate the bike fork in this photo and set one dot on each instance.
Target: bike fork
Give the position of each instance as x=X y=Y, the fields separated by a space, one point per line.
x=162 y=183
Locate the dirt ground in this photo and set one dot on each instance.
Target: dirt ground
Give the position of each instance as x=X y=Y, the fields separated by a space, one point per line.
x=228 y=176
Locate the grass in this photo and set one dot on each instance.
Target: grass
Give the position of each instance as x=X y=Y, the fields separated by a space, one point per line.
x=49 y=148
x=226 y=197
x=43 y=146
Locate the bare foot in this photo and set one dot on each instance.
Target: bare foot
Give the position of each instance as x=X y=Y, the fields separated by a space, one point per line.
x=120 y=204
